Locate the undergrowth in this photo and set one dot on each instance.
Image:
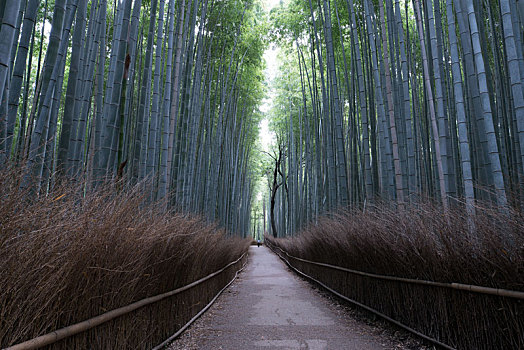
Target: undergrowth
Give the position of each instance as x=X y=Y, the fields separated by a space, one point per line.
x=422 y=242
x=68 y=255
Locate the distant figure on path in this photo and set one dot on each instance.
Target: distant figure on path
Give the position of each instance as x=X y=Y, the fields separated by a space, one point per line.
x=258 y=243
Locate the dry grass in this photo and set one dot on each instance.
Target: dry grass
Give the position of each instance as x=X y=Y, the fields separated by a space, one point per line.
x=423 y=243
x=66 y=257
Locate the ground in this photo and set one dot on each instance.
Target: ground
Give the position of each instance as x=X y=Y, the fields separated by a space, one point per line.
x=269 y=307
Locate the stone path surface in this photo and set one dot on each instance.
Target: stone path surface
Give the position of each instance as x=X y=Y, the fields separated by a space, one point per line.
x=269 y=307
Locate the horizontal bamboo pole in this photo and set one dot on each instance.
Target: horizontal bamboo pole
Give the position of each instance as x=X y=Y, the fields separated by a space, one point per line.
x=83 y=326
x=458 y=286
x=181 y=330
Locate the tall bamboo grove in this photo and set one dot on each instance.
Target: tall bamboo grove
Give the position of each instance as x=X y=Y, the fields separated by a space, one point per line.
x=398 y=101
x=163 y=92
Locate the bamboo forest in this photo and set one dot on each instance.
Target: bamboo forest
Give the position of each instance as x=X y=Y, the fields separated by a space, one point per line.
x=148 y=146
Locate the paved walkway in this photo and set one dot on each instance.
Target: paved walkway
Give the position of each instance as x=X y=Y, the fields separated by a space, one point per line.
x=269 y=307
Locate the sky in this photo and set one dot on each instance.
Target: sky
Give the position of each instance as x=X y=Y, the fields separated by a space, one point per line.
x=269 y=4
x=270 y=56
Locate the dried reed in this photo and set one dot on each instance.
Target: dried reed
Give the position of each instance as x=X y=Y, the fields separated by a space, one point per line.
x=422 y=242
x=69 y=256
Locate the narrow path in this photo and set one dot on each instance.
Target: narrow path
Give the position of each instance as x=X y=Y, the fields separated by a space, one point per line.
x=269 y=307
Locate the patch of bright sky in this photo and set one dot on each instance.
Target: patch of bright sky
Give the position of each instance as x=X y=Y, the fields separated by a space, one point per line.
x=270 y=56
x=265 y=135
x=269 y=4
